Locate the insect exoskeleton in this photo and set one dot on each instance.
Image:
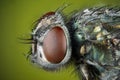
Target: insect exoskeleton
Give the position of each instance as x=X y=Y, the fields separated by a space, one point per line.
x=52 y=48
x=96 y=43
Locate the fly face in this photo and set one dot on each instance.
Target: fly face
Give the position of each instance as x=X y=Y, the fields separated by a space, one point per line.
x=52 y=48
x=91 y=38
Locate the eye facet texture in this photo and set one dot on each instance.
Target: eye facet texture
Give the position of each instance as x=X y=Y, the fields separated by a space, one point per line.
x=54 y=45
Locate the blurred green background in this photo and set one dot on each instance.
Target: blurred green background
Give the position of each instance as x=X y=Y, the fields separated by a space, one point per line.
x=16 y=19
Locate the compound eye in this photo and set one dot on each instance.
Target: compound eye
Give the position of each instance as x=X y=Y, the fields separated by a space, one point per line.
x=54 y=45
x=52 y=49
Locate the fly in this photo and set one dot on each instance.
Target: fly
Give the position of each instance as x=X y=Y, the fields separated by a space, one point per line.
x=90 y=39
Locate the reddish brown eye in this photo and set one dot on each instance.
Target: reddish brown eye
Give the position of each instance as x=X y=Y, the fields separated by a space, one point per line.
x=54 y=45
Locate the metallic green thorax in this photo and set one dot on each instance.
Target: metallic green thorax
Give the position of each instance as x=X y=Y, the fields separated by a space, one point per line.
x=96 y=33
